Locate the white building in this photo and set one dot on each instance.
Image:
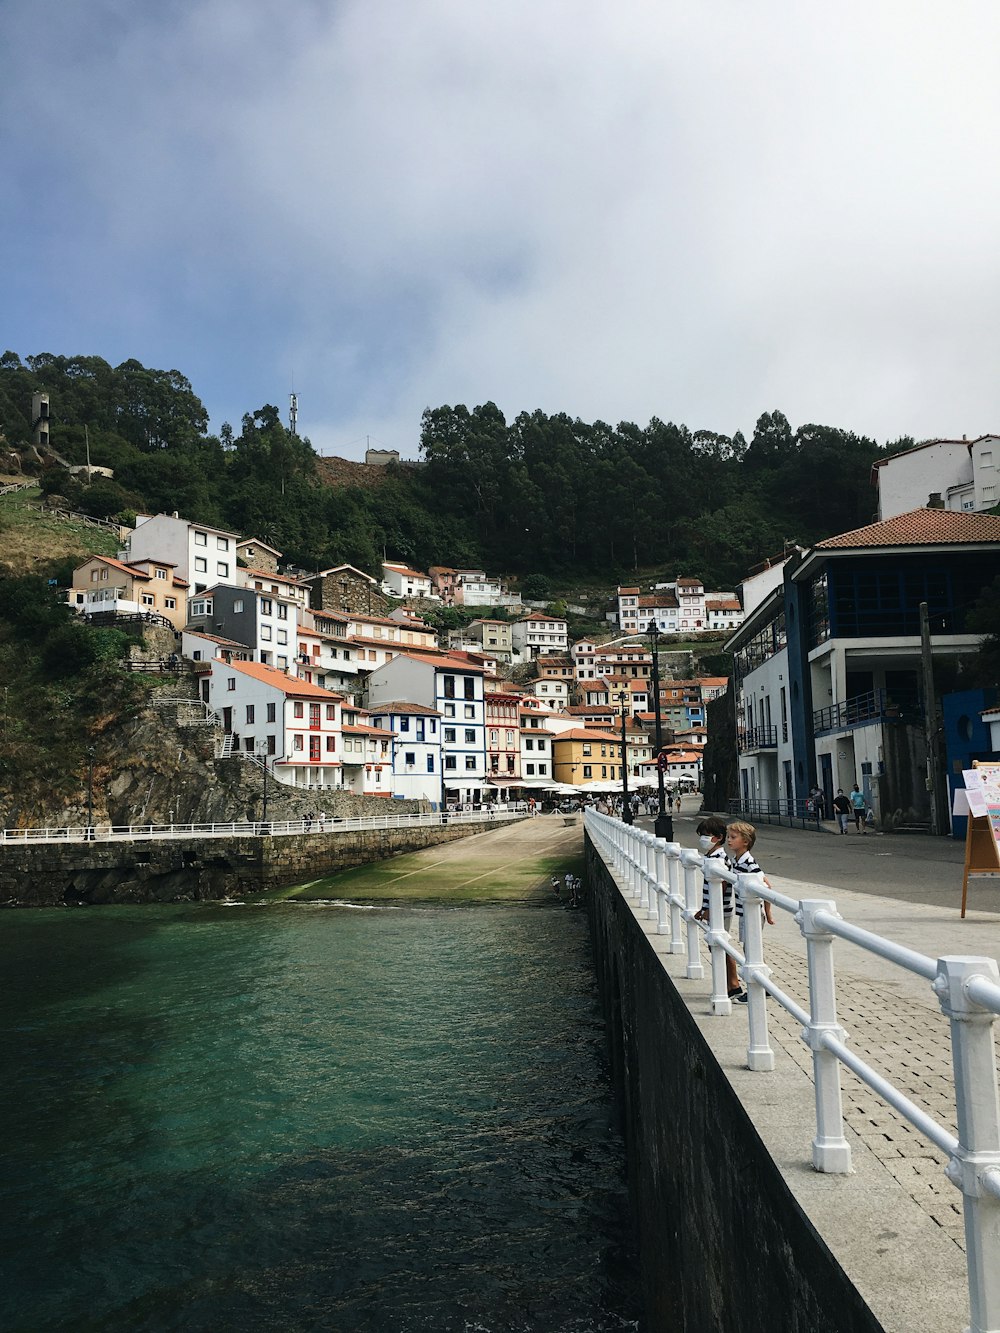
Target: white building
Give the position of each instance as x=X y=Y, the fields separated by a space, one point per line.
x=366 y=752
x=538 y=633
x=957 y=474
x=200 y=554
x=297 y=726
x=452 y=686
x=267 y=622
x=416 y=750
x=402 y=581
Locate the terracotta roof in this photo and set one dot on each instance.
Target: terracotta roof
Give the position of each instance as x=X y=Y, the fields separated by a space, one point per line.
x=400 y=706
x=666 y=601
x=214 y=638
x=540 y=615
x=117 y=564
x=724 y=604
x=582 y=734
x=267 y=574
x=365 y=730
x=444 y=661
x=297 y=689
x=405 y=569
x=375 y=643
x=920 y=527
x=627 y=592
x=689 y=583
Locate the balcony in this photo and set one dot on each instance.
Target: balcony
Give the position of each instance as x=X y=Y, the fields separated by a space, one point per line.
x=751 y=739
x=865 y=709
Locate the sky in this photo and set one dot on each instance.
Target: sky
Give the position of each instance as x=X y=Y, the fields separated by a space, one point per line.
x=695 y=211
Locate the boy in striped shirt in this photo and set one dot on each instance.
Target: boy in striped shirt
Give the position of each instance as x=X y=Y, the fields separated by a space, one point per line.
x=740 y=838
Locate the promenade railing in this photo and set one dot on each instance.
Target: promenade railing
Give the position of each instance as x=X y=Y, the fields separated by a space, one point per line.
x=664 y=880
x=319 y=823
x=793 y=812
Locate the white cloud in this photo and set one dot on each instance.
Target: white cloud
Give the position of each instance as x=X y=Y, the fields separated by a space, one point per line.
x=695 y=211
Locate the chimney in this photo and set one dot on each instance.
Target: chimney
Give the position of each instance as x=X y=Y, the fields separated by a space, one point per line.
x=934 y=500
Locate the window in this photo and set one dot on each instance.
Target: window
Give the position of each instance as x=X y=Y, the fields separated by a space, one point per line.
x=410 y=757
x=222 y=569
x=265 y=633
x=170 y=603
x=470 y=711
x=249 y=744
x=160 y=573
x=449 y=710
x=222 y=543
x=314 y=747
x=266 y=606
x=250 y=712
x=271 y=747
x=404 y=724
x=586 y=747
x=450 y=762
x=231 y=683
x=470 y=763
x=297 y=743
x=449 y=735
x=449 y=687
x=201 y=539
x=200 y=565
x=331 y=744
x=541 y=743
x=282 y=662
x=148 y=599
x=530 y=770
x=270 y=712
x=282 y=611
x=542 y=770
x=588 y=772
x=282 y=636
x=529 y=743
x=238 y=605
x=331 y=712
x=470 y=687
x=297 y=710
x=470 y=736
x=430 y=763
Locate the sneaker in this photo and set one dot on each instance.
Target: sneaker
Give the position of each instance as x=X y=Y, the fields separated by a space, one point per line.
x=736 y=992
x=742 y=998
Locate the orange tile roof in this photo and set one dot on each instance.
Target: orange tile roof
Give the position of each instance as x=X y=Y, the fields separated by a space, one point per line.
x=582 y=734
x=724 y=604
x=627 y=592
x=267 y=574
x=400 y=706
x=920 y=527
x=298 y=689
x=117 y=564
x=444 y=660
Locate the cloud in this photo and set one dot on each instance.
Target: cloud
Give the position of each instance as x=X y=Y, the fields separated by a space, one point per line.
x=694 y=212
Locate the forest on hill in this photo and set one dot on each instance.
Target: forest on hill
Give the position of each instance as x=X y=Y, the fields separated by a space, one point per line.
x=547 y=494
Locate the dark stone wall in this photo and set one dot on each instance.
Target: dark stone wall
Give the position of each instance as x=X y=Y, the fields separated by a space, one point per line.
x=723 y=1242
x=50 y=875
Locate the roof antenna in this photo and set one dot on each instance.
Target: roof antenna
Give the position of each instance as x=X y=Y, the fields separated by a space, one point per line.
x=293 y=413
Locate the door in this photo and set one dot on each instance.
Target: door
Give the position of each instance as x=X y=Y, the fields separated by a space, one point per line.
x=227 y=720
x=826 y=782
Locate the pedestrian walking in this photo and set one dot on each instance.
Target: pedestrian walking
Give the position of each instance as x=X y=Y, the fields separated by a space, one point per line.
x=858 y=806
x=842 y=806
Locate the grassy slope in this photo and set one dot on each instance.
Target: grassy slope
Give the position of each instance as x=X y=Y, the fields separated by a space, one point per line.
x=31 y=542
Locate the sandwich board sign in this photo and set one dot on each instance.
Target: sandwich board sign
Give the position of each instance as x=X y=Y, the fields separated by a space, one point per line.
x=980 y=800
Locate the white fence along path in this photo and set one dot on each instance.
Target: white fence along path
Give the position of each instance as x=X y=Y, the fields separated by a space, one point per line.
x=665 y=880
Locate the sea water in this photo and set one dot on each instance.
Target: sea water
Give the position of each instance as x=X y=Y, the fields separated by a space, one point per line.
x=298 y=1116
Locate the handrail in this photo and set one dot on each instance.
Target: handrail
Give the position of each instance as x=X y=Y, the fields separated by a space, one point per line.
x=967 y=989
x=319 y=823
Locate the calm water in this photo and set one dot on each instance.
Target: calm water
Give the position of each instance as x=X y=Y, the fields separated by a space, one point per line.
x=307 y=1117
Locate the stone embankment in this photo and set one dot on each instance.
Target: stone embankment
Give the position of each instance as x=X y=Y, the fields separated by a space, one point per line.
x=53 y=875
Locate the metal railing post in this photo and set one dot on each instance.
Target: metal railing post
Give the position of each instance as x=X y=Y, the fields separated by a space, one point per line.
x=975 y=1168
x=662 y=888
x=691 y=861
x=674 y=879
x=760 y=1057
x=649 y=842
x=720 y=1004
x=830 y=1150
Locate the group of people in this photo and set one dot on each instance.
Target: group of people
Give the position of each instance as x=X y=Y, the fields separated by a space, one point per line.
x=844 y=807
x=574 y=889
x=733 y=845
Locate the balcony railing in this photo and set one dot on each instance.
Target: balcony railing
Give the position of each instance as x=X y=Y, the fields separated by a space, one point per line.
x=863 y=709
x=756 y=738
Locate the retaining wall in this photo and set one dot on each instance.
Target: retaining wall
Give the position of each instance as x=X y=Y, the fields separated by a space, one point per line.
x=49 y=875
x=723 y=1242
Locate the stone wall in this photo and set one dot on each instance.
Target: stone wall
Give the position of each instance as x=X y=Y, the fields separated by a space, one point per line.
x=723 y=1243
x=52 y=875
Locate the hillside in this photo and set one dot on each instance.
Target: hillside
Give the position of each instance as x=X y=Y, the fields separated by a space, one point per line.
x=34 y=542
x=337 y=472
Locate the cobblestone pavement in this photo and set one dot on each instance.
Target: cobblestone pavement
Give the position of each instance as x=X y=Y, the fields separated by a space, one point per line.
x=915 y=1057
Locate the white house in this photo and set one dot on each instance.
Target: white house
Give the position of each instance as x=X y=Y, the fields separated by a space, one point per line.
x=956 y=474
x=452 y=686
x=200 y=554
x=269 y=713
x=267 y=622
x=402 y=581
x=366 y=753
x=552 y=693
x=416 y=750
x=538 y=633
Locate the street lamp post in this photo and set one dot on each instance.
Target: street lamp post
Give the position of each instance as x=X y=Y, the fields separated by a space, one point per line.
x=90 y=793
x=623 y=698
x=664 y=825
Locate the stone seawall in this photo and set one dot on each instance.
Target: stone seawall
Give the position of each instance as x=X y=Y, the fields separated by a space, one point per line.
x=723 y=1242
x=51 y=875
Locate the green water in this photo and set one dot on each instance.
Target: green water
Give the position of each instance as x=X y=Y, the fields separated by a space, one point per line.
x=308 y=1117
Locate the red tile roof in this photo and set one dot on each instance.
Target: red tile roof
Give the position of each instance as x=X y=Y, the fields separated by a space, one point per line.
x=920 y=527
x=297 y=689
x=583 y=734
x=399 y=706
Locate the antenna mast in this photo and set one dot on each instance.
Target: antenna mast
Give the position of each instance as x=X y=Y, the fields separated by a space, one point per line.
x=293 y=413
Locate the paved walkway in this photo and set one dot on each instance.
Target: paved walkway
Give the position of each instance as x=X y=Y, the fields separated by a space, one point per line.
x=895 y=1224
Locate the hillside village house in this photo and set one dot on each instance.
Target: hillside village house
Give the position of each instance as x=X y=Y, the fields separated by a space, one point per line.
x=503 y=748
x=345 y=588
x=452 y=686
x=538 y=633
x=493 y=636
x=201 y=555
x=269 y=713
x=955 y=474
x=146 y=587
x=680 y=607
x=402 y=581
x=416 y=749
x=828 y=662
x=266 y=623
x=255 y=554
x=340 y=649
x=585 y=755
x=366 y=754
x=552 y=693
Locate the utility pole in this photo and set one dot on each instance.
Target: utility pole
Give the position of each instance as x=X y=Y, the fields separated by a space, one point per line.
x=930 y=721
x=623 y=698
x=664 y=826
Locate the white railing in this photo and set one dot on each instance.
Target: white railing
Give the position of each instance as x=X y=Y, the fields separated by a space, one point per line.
x=664 y=880
x=319 y=823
